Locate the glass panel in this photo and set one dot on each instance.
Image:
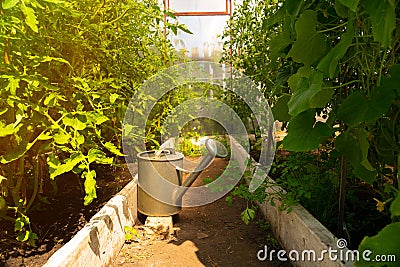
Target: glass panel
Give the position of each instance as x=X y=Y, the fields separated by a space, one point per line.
x=204 y=43
x=198 y=5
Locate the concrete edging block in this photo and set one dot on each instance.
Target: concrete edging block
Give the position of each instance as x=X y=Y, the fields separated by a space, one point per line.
x=100 y=240
x=297 y=230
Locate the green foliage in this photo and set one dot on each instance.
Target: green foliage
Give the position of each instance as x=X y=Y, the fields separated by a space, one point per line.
x=311 y=180
x=130 y=232
x=319 y=57
x=385 y=243
x=310 y=45
x=335 y=59
x=187 y=147
x=67 y=71
x=304 y=128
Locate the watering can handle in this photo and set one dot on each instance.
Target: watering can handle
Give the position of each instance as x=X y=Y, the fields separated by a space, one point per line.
x=166 y=150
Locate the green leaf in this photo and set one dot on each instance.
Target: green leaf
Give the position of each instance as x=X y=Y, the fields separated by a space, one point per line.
x=76 y=123
x=293 y=7
x=247 y=215
x=7 y=4
x=329 y=63
x=23 y=236
x=281 y=41
x=13 y=85
x=58 y=169
x=280 y=110
x=383 y=19
x=61 y=138
x=19 y=224
x=395 y=206
x=9 y=129
x=229 y=200
x=45 y=135
x=352 y=4
x=353 y=109
x=96 y=155
x=50 y=100
x=90 y=186
x=354 y=145
x=307 y=89
x=128 y=236
x=386 y=242
x=129 y=232
x=101 y=119
x=30 y=18
x=113 y=98
x=341 y=9
x=3 y=110
x=3 y=204
x=303 y=135
x=356 y=108
x=79 y=138
x=17 y=151
x=310 y=44
x=113 y=149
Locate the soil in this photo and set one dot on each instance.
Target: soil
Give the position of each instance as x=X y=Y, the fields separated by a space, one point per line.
x=56 y=223
x=210 y=235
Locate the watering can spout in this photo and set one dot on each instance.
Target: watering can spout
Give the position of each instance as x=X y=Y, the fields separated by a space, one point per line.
x=215 y=149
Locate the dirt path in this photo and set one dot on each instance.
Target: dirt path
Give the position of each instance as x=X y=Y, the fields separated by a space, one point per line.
x=211 y=235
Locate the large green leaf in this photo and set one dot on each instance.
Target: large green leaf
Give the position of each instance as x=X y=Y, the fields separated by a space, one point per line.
x=280 y=110
x=8 y=129
x=96 y=155
x=353 y=109
x=56 y=169
x=329 y=63
x=30 y=18
x=78 y=123
x=310 y=44
x=17 y=151
x=385 y=243
x=395 y=206
x=383 y=19
x=280 y=42
x=354 y=145
x=62 y=138
x=357 y=108
x=7 y=4
x=304 y=134
x=306 y=86
x=113 y=149
x=352 y=4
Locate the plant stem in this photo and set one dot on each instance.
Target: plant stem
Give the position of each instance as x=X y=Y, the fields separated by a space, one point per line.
x=36 y=183
x=342 y=197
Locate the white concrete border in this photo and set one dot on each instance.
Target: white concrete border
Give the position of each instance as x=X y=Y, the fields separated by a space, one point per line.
x=99 y=242
x=297 y=230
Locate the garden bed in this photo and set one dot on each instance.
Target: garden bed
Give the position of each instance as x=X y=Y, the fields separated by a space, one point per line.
x=297 y=230
x=56 y=223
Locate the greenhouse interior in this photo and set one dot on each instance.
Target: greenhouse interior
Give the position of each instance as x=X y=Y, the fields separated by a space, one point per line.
x=200 y=133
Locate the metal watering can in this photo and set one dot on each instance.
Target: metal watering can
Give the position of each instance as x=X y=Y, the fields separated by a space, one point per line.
x=160 y=172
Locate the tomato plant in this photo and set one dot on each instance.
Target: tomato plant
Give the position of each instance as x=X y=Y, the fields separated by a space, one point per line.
x=68 y=69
